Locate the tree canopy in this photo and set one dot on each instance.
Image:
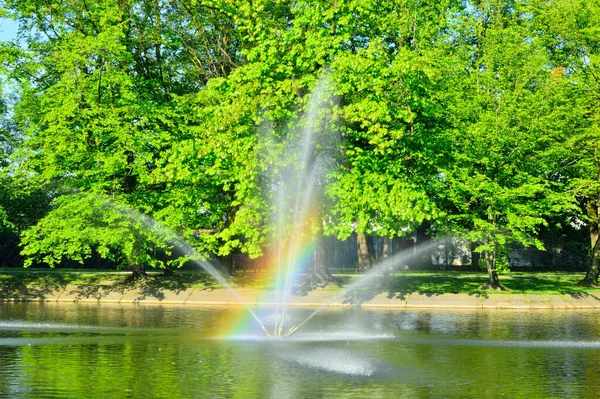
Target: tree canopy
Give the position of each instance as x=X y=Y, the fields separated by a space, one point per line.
x=477 y=117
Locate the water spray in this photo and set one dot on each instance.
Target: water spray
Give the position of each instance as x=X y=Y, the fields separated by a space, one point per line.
x=292 y=330
x=370 y=274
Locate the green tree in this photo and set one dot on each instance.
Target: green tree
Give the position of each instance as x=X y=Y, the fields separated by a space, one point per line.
x=393 y=118
x=498 y=187
x=7 y=140
x=103 y=95
x=385 y=70
x=163 y=106
x=572 y=37
x=242 y=125
x=23 y=200
x=83 y=223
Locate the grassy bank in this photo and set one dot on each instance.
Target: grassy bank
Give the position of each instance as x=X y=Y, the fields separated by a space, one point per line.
x=439 y=282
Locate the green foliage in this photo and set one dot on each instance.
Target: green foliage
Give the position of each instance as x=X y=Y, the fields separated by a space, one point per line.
x=393 y=119
x=23 y=201
x=80 y=224
x=572 y=39
x=481 y=118
x=105 y=90
x=498 y=187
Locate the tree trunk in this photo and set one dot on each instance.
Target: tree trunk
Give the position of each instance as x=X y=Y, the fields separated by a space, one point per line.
x=591 y=277
x=475 y=256
x=385 y=255
x=490 y=261
x=371 y=250
x=138 y=272
x=385 y=252
x=363 y=251
x=320 y=275
x=421 y=239
x=319 y=270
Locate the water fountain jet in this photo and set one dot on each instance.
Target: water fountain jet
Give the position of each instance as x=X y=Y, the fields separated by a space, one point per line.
x=294 y=190
x=375 y=271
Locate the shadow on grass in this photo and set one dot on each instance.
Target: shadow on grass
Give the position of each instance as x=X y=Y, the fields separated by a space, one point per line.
x=562 y=285
x=23 y=287
x=401 y=286
x=42 y=286
x=156 y=286
x=358 y=289
x=539 y=284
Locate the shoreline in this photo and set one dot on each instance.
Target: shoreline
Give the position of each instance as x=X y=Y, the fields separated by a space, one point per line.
x=316 y=298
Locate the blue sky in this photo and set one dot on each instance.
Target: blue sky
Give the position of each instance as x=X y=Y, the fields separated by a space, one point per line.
x=8 y=29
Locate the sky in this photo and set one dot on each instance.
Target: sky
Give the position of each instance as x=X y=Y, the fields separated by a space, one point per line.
x=8 y=29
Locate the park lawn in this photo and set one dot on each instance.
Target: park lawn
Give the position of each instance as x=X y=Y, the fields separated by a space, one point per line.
x=539 y=283
x=57 y=278
x=436 y=282
x=62 y=277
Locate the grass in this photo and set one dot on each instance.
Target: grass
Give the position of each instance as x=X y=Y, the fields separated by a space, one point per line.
x=465 y=283
x=66 y=277
x=437 y=282
x=58 y=278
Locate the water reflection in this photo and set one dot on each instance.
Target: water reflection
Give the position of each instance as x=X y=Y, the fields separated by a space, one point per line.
x=84 y=350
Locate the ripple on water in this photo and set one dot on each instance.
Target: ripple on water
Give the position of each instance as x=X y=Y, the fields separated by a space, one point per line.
x=333 y=360
x=313 y=337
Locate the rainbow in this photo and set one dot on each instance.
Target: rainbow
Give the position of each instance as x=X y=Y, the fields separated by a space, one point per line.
x=285 y=267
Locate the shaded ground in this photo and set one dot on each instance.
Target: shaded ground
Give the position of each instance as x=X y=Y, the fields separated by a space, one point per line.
x=471 y=284
x=351 y=288
x=39 y=285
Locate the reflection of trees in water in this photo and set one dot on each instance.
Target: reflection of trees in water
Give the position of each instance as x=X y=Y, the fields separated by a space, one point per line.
x=423 y=322
x=425 y=360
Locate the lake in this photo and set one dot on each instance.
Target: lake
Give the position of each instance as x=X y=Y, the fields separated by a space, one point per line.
x=51 y=350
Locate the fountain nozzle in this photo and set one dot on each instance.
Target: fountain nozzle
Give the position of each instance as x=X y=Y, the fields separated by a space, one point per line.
x=291 y=331
x=266 y=331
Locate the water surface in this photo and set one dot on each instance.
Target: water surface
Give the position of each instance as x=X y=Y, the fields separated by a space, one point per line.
x=100 y=351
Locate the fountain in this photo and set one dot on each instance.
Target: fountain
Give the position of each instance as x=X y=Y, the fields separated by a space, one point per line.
x=103 y=350
x=296 y=189
x=109 y=350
